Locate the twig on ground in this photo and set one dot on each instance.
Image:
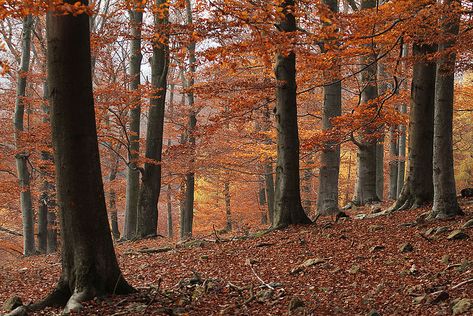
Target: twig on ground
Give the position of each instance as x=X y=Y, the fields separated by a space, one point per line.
x=260 y=279
x=461 y=284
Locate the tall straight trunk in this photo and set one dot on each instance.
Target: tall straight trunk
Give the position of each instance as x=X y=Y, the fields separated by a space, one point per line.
x=112 y=196
x=383 y=87
x=187 y=217
x=307 y=189
x=418 y=187
x=347 y=188
x=269 y=188
x=52 y=227
x=151 y=177
x=288 y=207
x=89 y=265
x=169 y=206
x=445 y=200
x=132 y=177
x=327 y=197
x=366 y=182
x=43 y=203
x=21 y=156
x=401 y=168
x=228 y=210
x=394 y=162
x=262 y=200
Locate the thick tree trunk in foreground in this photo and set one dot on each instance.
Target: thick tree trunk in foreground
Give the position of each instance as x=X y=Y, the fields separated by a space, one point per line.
x=133 y=181
x=288 y=207
x=22 y=157
x=151 y=178
x=366 y=182
x=89 y=265
x=445 y=199
x=418 y=187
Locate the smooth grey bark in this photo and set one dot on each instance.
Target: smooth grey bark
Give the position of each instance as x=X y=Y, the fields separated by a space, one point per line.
x=418 y=187
x=21 y=157
x=366 y=182
x=287 y=202
x=394 y=162
x=228 y=210
x=327 y=197
x=150 y=187
x=133 y=174
x=112 y=195
x=187 y=216
x=401 y=168
x=43 y=203
x=307 y=189
x=89 y=265
x=445 y=202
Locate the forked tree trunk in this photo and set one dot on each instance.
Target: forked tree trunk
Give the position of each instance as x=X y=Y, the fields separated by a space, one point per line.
x=89 y=265
x=366 y=188
x=21 y=156
x=133 y=181
x=288 y=207
x=445 y=199
x=418 y=187
x=151 y=177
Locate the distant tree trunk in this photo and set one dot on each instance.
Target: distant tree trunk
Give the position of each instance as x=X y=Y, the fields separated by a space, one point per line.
x=113 y=197
x=187 y=217
x=269 y=188
x=394 y=162
x=133 y=181
x=288 y=207
x=52 y=228
x=21 y=156
x=262 y=200
x=445 y=200
x=43 y=203
x=228 y=211
x=151 y=177
x=418 y=188
x=169 y=205
x=307 y=188
x=347 y=188
x=402 y=154
x=366 y=182
x=89 y=265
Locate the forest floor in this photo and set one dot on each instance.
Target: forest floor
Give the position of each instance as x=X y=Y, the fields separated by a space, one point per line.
x=359 y=267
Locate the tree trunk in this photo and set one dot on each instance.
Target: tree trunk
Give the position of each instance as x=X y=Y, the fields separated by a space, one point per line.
x=327 y=197
x=89 y=265
x=133 y=181
x=366 y=182
x=151 y=178
x=169 y=206
x=445 y=200
x=402 y=154
x=228 y=211
x=262 y=200
x=21 y=156
x=187 y=217
x=418 y=188
x=288 y=207
x=269 y=186
x=393 y=163
x=113 y=196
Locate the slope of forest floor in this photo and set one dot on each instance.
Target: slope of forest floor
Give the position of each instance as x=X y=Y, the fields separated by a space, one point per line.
x=359 y=267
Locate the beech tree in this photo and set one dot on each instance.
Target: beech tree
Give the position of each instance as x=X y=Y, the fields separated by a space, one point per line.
x=89 y=265
x=287 y=204
x=133 y=180
x=327 y=198
x=22 y=156
x=445 y=199
x=150 y=187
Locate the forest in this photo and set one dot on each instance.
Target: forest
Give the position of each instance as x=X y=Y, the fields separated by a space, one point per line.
x=236 y=157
